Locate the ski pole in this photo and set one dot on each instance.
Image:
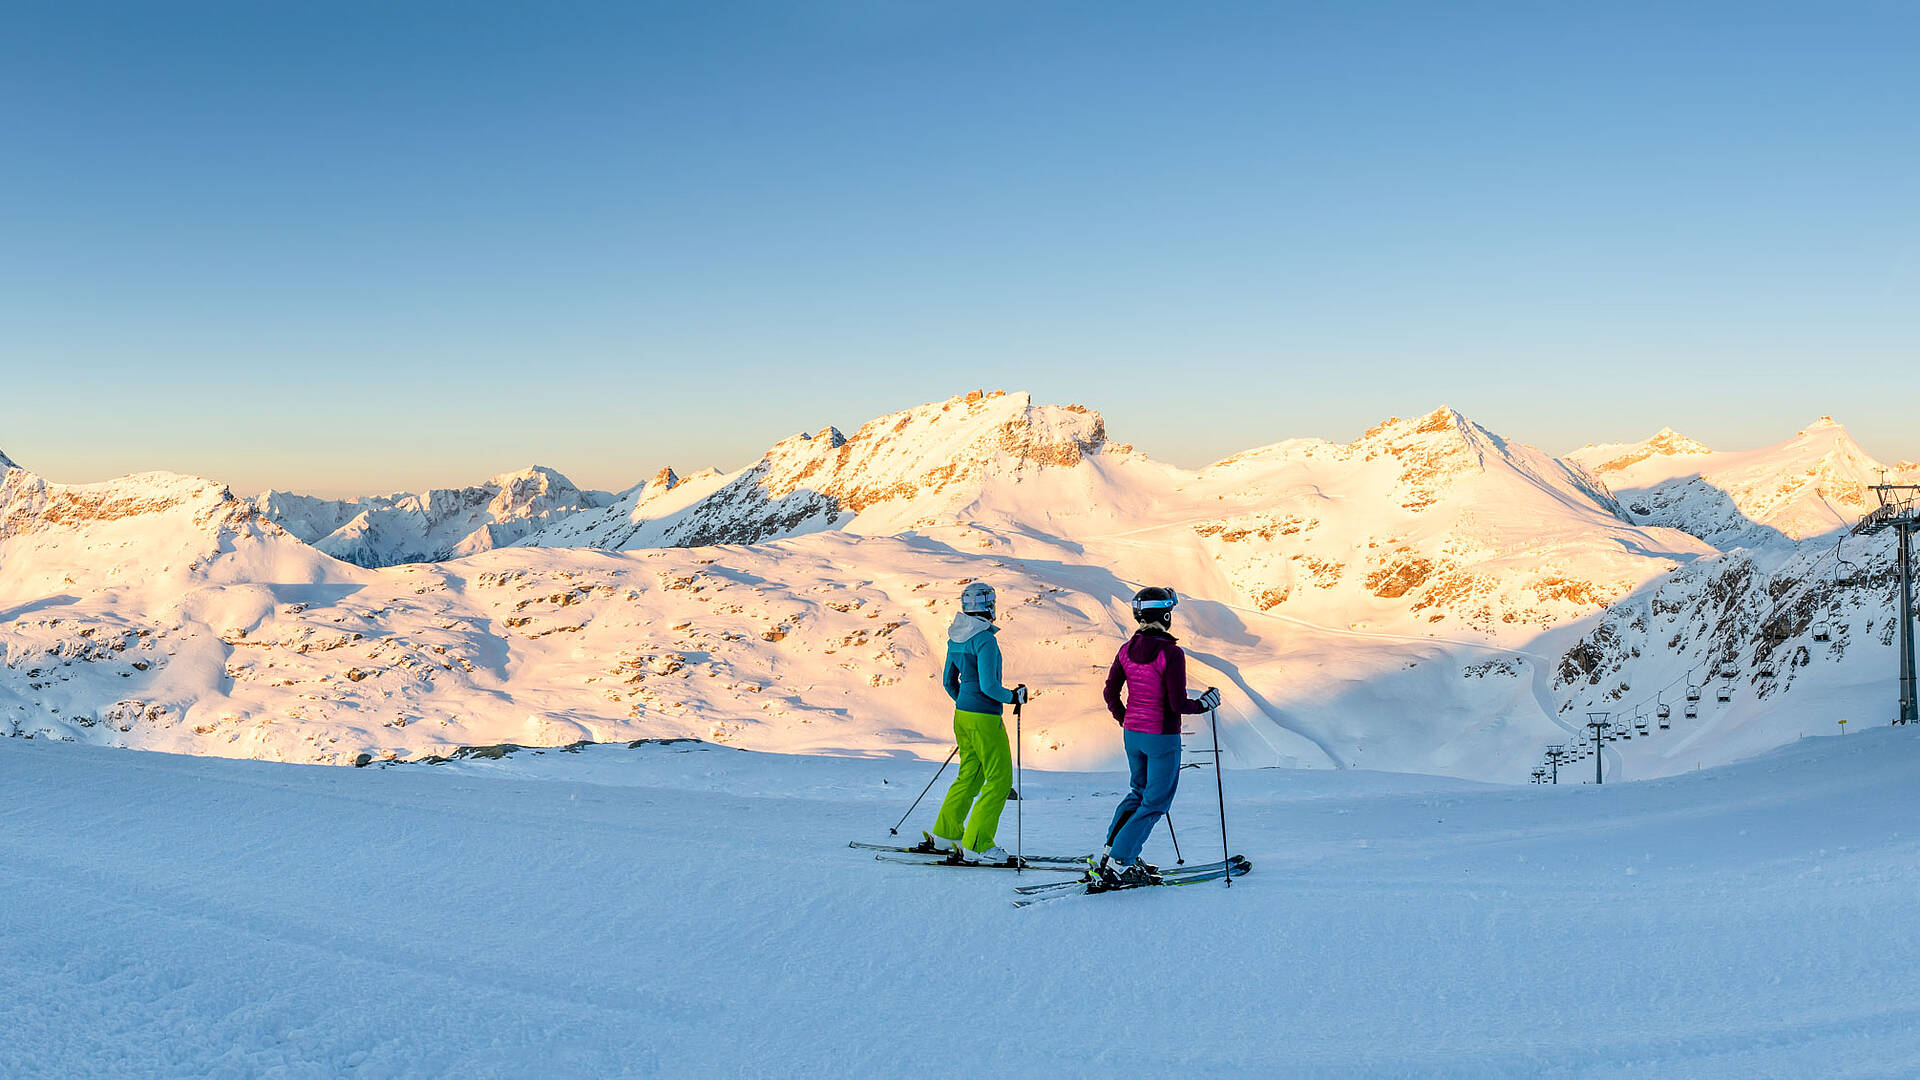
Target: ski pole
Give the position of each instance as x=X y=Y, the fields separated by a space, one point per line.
x=1221 y=788
x=1020 y=805
x=1178 y=859
x=895 y=831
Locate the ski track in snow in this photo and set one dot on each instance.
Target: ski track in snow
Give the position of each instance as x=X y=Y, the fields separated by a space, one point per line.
x=674 y=911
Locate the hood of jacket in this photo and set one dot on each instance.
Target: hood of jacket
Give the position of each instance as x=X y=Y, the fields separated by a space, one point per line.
x=965 y=627
x=1148 y=645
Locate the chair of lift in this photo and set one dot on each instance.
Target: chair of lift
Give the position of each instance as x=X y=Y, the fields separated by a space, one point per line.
x=1822 y=632
x=1640 y=726
x=1726 y=692
x=1693 y=711
x=1693 y=693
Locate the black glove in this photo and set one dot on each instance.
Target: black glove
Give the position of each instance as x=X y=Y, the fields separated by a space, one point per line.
x=1211 y=699
x=1020 y=694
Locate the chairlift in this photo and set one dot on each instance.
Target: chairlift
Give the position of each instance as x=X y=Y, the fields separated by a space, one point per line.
x=1693 y=693
x=1693 y=711
x=1664 y=722
x=1766 y=670
x=1822 y=632
x=1726 y=692
x=1640 y=725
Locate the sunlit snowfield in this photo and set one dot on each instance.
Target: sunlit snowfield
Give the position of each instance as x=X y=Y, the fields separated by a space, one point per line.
x=693 y=911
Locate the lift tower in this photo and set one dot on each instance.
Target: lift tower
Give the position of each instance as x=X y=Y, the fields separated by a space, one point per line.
x=1555 y=755
x=1900 y=511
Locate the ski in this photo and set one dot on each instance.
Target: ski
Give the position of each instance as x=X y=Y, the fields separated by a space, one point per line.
x=1237 y=870
x=1167 y=872
x=1033 y=862
x=896 y=849
x=863 y=846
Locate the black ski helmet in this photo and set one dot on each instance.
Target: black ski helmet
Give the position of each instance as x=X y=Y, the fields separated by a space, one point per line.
x=1154 y=604
x=977 y=599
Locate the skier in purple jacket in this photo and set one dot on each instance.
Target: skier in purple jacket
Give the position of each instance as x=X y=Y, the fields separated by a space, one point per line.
x=1151 y=669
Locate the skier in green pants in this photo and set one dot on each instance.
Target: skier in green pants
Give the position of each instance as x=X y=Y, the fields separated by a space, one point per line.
x=972 y=680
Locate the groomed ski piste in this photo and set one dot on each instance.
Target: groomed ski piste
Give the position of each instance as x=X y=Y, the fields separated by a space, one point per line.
x=693 y=910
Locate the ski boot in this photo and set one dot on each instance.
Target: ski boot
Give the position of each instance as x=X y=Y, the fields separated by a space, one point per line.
x=1112 y=874
x=993 y=856
x=934 y=845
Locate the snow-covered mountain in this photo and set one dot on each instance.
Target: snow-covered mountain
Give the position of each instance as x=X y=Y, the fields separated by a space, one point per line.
x=1811 y=485
x=1428 y=596
x=444 y=523
x=900 y=472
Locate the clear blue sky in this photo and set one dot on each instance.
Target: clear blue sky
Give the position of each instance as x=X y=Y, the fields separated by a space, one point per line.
x=354 y=247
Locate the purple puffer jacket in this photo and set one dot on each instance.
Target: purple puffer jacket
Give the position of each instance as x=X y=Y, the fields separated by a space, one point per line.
x=1154 y=671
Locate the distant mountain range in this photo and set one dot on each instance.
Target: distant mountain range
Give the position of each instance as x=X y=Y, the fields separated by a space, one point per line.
x=1429 y=596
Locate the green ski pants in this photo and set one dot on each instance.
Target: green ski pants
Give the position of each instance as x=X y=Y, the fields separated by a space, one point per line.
x=986 y=769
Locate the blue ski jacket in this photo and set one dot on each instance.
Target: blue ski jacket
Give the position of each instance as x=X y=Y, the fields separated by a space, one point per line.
x=972 y=675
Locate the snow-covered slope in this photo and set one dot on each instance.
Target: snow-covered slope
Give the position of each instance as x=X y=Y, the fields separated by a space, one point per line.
x=693 y=911
x=1811 y=485
x=1428 y=597
x=444 y=523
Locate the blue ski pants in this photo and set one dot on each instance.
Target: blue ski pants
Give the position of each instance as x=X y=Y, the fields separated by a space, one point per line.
x=1153 y=761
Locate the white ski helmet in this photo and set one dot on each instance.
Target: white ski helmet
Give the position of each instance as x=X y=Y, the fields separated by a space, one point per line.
x=977 y=599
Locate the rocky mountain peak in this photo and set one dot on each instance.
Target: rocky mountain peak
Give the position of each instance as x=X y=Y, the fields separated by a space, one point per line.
x=1606 y=459
x=1669 y=441
x=440 y=523
x=533 y=490
x=1432 y=452
x=918 y=464
x=6 y=462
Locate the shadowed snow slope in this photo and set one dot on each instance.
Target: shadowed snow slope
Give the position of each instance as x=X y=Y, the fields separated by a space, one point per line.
x=692 y=912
